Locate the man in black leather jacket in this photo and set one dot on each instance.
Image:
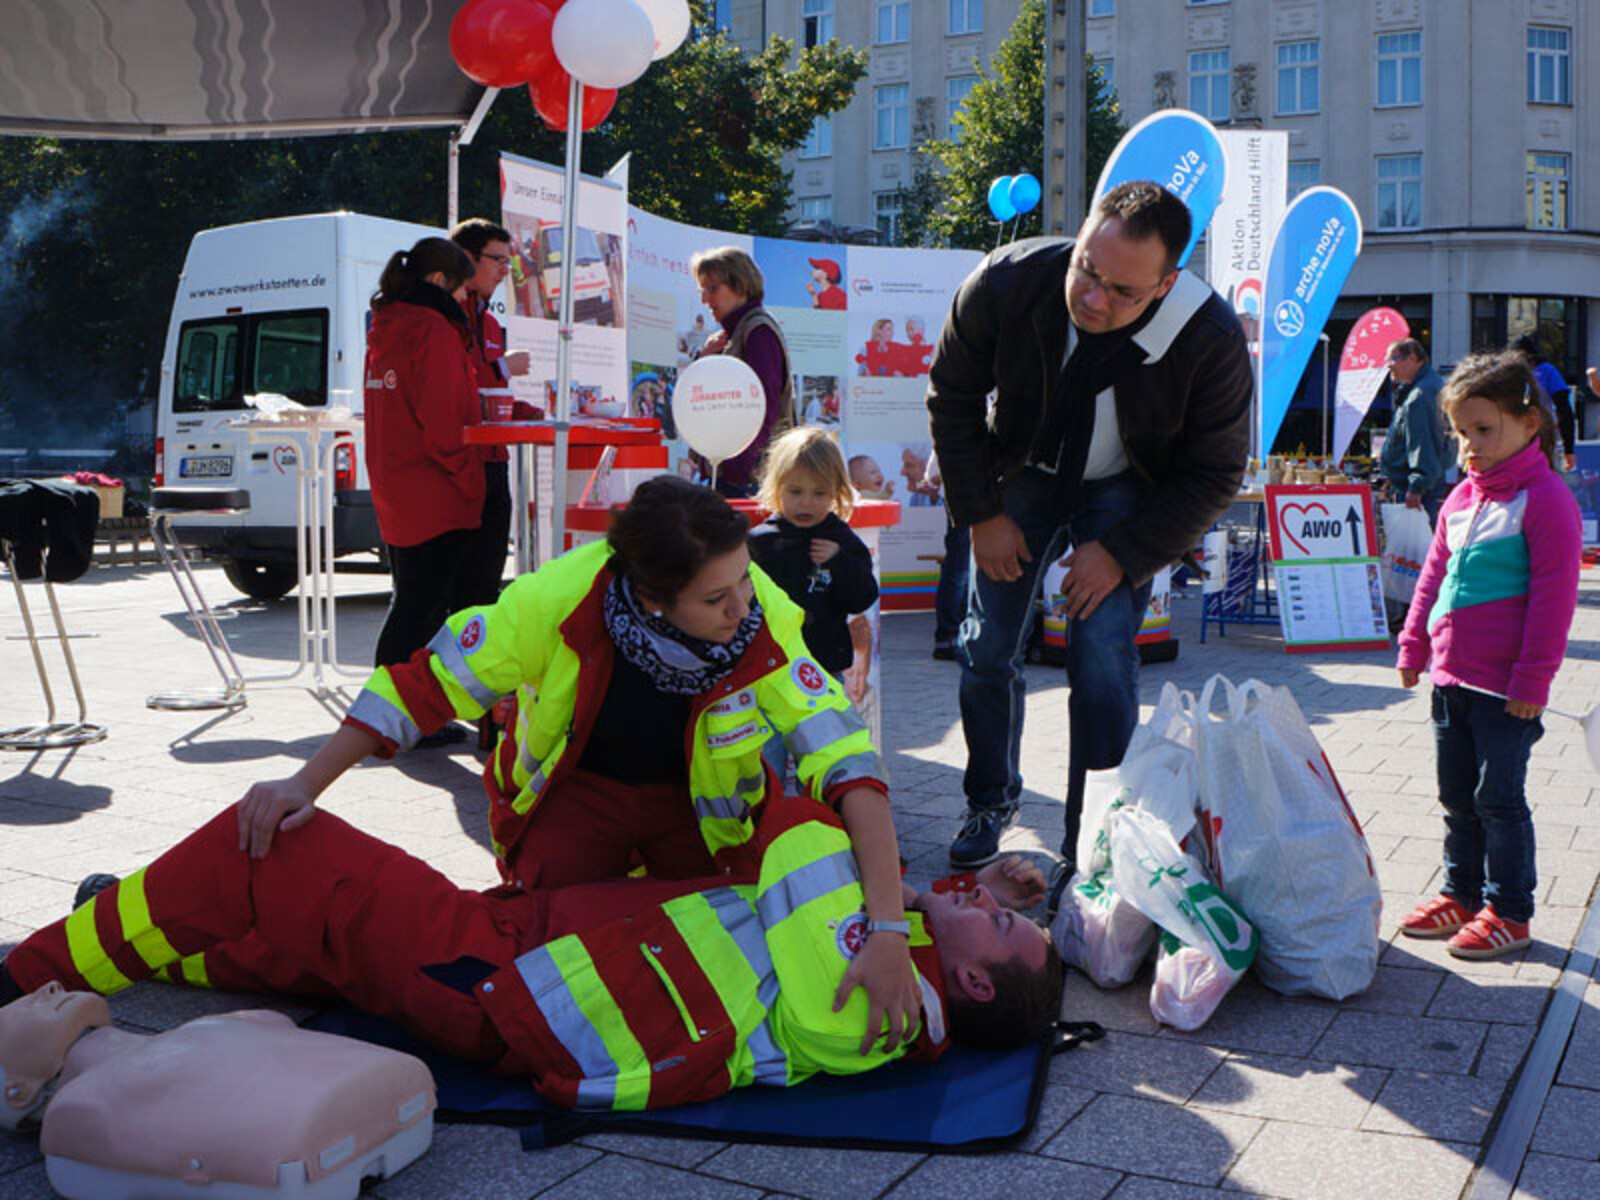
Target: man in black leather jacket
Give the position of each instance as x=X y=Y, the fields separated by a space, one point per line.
x=1119 y=426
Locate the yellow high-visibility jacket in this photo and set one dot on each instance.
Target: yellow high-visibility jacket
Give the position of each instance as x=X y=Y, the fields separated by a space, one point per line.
x=545 y=640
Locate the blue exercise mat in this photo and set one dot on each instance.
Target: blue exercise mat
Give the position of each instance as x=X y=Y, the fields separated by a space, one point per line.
x=968 y=1100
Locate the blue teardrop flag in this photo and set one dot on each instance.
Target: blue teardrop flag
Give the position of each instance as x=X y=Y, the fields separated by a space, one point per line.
x=1317 y=243
x=1179 y=150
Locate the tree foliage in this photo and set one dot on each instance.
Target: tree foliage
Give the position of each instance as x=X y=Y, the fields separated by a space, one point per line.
x=1001 y=126
x=93 y=234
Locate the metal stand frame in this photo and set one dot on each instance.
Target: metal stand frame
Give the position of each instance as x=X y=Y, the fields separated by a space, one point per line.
x=176 y=561
x=52 y=733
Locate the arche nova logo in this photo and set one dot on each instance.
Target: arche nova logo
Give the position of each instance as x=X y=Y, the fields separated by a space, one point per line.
x=1289 y=318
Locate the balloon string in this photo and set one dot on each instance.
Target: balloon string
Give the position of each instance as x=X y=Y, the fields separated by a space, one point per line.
x=999 y=232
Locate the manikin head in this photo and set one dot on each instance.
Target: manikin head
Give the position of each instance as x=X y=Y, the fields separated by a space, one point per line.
x=35 y=1034
x=1002 y=973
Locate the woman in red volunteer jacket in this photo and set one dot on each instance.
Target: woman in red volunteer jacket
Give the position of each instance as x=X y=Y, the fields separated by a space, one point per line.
x=427 y=484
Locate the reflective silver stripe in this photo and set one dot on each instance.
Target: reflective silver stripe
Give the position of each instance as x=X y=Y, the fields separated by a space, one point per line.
x=448 y=652
x=753 y=783
x=572 y=1027
x=822 y=729
x=725 y=807
x=770 y=1063
x=858 y=766
x=383 y=716
x=806 y=884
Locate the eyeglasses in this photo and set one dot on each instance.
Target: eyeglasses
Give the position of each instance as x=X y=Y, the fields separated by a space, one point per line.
x=503 y=259
x=1118 y=293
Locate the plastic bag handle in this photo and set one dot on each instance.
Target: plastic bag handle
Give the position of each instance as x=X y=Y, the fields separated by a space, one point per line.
x=1204 y=712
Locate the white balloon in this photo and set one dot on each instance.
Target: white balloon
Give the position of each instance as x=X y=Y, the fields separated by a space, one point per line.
x=718 y=406
x=603 y=43
x=671 y=21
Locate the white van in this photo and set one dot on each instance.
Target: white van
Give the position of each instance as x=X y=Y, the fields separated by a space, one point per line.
x=270 y=306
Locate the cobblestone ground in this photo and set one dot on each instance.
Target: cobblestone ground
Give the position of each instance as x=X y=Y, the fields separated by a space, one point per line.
x=1394 y=1093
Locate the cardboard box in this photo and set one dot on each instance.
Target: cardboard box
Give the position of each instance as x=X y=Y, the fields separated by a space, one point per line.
x=110 y=499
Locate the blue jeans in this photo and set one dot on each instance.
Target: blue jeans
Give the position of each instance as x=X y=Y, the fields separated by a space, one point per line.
x=950 y=601
x=1483 y=765
x=1102 y=659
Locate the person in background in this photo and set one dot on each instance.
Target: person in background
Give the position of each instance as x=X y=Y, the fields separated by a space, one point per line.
x=732 y=287
x=1416 y=453
x=639 y=679
x=1558 y=392
x=428 y=486
x=1490 y=619
x=807 y=547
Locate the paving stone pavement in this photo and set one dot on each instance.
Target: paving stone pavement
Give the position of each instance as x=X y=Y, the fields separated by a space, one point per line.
x=1391 y=1093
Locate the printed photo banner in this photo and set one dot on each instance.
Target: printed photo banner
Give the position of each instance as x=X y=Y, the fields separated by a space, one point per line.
x=1361 y=371
x=1317 y=243
x=1179 y=150
x=1246 y=219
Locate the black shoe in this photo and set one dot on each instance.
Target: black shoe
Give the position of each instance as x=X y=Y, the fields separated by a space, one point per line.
x=945 y=653
x=1060 y=878
x=91 y=887
x=9 y=988
x=448 y=736
x=979 y=839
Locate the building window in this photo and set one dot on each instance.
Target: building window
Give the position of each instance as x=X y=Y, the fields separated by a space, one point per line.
x=894 y=21
x=1208 y=84
x=892 y=113
x=966 y=16
x=1304 y=173
x=1548 y=64
x=1399 y=69
x=955 y=95
x=1547 y=191
x=1400 y=191
x=888 y=206
x=1107 y=68
x=816 y=208
x=1299 y=78
x=816 y=21
x=1102 y=8
x=819 y=142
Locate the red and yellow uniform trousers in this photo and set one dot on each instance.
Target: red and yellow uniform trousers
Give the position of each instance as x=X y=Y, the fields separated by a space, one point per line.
x=628 y=994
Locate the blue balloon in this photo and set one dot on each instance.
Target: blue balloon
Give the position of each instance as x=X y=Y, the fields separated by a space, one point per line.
x=1000 y=198
x=1024 y=192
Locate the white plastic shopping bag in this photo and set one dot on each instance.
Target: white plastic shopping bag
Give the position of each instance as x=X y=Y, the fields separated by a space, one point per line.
x=1100 y=933
x=1173 y=890
x=1284 y=842
x=1406 y=536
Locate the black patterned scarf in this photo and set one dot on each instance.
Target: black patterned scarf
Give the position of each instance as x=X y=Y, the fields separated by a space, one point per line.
x=675 y=662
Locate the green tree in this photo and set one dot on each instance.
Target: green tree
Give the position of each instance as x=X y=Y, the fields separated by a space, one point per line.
x=1001 y=132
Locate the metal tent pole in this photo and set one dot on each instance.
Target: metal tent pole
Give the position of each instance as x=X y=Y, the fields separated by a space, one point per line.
x=569 y=245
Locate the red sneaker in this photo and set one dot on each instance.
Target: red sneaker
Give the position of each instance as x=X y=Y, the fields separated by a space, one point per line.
x=1436 y=918
x=1488 y=935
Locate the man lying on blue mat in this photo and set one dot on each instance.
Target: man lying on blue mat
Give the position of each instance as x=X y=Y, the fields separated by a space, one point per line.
x=625 y=995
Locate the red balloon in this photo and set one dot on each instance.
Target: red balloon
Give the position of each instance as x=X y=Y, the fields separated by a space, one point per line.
x=549 y=95
x=501 y=43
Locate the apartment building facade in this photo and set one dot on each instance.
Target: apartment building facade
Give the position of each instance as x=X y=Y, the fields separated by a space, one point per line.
x=1462 y=129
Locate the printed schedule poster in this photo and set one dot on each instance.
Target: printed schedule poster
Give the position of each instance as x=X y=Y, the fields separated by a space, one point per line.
x=1325 y=562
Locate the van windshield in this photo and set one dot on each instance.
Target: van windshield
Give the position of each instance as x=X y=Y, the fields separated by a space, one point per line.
x=222 y=359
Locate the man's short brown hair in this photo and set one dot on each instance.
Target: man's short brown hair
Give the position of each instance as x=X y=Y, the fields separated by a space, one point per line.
x=473 y=234
x=731 y=266
x=1147 y=209
x=1409 y=348
x=1026 y=1003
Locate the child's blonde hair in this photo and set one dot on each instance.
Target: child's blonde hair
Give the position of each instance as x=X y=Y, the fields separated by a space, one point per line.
x=806 y=448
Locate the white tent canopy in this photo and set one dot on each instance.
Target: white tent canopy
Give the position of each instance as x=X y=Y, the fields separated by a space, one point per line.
x=189 y=69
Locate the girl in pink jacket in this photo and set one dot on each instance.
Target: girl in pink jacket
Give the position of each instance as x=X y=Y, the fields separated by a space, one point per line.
x=1492 y=609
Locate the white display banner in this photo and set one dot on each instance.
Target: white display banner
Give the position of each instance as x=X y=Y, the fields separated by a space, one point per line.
x=1241 y=231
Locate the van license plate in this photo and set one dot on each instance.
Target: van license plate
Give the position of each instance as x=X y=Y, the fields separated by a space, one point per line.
x=206 y=467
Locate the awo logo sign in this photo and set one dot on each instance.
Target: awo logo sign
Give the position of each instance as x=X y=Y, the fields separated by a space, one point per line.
x=861 y=287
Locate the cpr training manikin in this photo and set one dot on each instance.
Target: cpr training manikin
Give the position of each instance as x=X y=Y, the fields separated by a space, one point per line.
x=240 y=1106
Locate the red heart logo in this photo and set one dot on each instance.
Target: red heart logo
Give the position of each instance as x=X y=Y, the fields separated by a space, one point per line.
x=1304 y=510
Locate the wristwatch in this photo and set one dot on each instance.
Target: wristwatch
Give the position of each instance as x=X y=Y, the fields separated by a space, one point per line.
x=903 y=928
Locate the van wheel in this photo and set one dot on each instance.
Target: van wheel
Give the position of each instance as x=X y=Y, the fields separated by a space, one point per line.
x=260 y=579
